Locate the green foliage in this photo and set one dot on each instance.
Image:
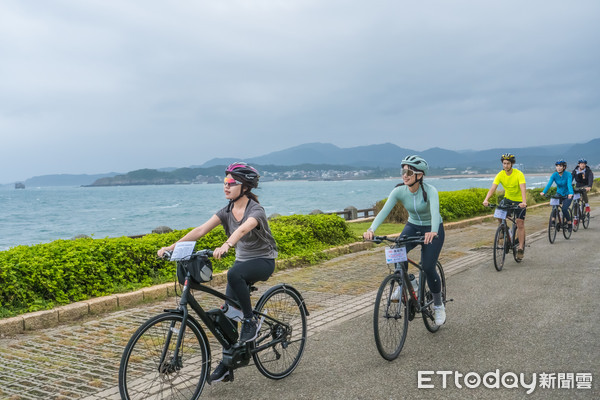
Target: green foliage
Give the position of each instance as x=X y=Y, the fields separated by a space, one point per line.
x=305 y=235
x=398 y=214
x=463 y=203
x=46 y=275
x=536 y=197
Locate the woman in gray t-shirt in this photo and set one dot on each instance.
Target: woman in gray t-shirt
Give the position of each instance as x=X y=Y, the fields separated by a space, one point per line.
x=247 y=229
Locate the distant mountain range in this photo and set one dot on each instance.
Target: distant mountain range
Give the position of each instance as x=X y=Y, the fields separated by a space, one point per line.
x=389 y=155
x=382 y=156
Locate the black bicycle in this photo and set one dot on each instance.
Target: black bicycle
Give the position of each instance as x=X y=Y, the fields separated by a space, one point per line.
x=580 y=215
x=400 y=298
x=506 y=238
x=169 y=356
x=557 y=221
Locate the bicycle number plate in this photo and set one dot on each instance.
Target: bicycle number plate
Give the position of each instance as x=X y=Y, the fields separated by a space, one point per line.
x=395 y=255
x=576 y=196
x=554 y=202
x=500 y=213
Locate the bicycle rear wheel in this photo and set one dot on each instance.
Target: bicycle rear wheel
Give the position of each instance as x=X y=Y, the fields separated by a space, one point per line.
x=516 y=242
x=576 y=216
x=427 y=299
x=390 y=320
x=586 y=219
x=500 y=243
x=286 y=332
x=148 y=369
x=552 y=225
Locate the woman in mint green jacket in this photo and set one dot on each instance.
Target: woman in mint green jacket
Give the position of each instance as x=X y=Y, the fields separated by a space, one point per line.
x=422 y=203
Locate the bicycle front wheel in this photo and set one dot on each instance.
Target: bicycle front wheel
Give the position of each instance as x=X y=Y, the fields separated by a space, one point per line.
x=500 y=243
x=284 y=337
x=148 y=368
x=390 y=320
x=586 y=219
x=565 y=227
x=552 y=225
x=427 y=301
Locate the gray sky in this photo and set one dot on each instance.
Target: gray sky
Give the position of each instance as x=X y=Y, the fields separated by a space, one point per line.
x=97 y=86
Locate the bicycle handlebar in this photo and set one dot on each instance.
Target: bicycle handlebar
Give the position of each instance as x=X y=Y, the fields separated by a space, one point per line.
x=504 y=207
x=400 y=239
x=200 y=253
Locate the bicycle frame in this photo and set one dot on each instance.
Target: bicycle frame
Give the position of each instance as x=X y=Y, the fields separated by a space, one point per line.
x=236 y=350
x=402 y=269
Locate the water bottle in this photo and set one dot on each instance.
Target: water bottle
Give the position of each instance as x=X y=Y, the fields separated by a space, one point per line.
x=232 y=313
x=575 y=220
x=414 y=282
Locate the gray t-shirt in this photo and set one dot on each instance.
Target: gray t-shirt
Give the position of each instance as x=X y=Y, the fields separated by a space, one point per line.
x=259 y=242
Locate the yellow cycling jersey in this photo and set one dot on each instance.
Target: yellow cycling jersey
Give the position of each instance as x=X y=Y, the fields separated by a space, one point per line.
x=510 y=183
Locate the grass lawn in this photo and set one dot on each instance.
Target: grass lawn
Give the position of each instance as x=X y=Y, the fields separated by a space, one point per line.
x=358 y=228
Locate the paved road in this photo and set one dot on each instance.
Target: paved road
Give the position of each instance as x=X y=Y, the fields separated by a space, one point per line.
x=533 y=317
x=540 y=316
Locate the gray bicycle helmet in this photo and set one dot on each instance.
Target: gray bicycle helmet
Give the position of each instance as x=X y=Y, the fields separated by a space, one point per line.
x=418 y=163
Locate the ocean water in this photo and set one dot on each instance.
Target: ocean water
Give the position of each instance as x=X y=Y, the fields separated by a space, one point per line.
x=43 y=214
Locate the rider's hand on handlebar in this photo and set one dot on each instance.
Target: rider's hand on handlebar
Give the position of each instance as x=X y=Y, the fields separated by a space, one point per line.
x=429 y=236
x=161 y=252
x=221 y=251
x=523 y=205
x=368 y=235
x=486 y=203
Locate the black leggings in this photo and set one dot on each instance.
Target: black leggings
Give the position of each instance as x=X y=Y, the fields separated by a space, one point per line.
x=429 y=253
x=243 y=273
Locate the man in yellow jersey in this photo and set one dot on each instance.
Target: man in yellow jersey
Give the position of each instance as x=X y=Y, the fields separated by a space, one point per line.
x=513 y=182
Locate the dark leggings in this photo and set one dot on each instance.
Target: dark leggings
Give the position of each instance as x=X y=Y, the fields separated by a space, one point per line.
x=244 y=272
x=429 y=253
x=566 y=203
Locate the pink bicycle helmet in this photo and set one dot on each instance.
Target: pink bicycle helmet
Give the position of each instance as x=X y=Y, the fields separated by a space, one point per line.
x=244 y=172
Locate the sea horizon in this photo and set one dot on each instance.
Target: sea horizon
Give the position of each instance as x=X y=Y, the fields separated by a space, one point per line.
x=44 y=214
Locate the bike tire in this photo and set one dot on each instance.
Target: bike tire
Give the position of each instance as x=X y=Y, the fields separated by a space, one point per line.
x=565 y=227
x=552 y=222
x=140 y=373
x=576 y=217
x=282 y=358
x=390 y=319
x=515 y=247
x=500 y=243
x=586 y=220
x=427 y=298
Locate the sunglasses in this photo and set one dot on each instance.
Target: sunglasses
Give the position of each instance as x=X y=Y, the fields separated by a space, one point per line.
x=408 y=172
x=231 y=182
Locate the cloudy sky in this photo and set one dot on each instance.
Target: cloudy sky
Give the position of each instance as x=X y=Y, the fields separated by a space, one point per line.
x=97 y=86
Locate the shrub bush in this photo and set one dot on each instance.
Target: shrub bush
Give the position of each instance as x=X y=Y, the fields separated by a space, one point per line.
x=45 y=275
x=398 y=215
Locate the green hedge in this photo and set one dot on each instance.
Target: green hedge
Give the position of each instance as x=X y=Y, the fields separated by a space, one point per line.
x=46 y=275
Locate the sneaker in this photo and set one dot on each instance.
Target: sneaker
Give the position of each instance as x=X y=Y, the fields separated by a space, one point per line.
x=520 y=254
x=395 y=297
x=570 y=227
x=221 y=373
x=439 y=314
x=250 y=328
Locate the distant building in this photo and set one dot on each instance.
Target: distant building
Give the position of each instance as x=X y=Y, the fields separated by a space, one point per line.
x=19 y=185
